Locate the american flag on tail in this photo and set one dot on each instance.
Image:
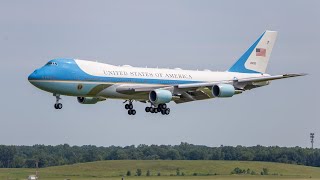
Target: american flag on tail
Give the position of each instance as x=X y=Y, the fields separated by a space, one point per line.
x=261 y=52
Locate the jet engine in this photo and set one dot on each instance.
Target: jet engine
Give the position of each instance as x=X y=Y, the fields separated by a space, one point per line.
x=223 y=90
x=88 y=100
x=160 y=96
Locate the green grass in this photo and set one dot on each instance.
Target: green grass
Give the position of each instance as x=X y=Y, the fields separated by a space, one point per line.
x=114 y=169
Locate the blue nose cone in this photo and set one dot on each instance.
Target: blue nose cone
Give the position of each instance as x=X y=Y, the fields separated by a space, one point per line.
x=34 y=75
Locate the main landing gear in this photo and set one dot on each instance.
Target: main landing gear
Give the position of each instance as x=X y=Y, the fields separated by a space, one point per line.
x=57 y=105
x=130 y=109
x=161 y=108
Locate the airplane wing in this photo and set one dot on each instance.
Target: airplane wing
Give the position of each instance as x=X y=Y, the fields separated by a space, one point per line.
x=199 y=91
x=186 y=95
x=271 y=78
x=246 y=80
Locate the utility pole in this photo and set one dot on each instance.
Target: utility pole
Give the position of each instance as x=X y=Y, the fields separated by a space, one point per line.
x=37 y=168
x=312 y=139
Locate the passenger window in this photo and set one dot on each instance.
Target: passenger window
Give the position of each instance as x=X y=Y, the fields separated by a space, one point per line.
x=52 y=63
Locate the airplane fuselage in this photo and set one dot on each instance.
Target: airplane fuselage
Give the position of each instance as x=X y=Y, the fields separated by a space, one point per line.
x=74 y=77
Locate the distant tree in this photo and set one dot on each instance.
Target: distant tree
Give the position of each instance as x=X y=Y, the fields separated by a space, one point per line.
x=178 y=172
x=245 y=156
x=128 y=173
x=18 y=162
x=22 y=156
x=7 y=154
x=265 y=171
x=159 y=174
x=148 y=173
x=195 y=155
x=173 y=154
x=139 y=172
x=236 y=170
x=91 y=154
x=248 y=171
x=30 y=163
x=182 y=174
x=121 y=155
x=195 y=174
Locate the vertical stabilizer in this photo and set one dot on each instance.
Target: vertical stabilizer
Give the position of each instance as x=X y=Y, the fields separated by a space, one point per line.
x=256 y=58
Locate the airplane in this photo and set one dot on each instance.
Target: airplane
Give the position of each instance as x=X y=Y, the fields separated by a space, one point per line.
x=92 y=82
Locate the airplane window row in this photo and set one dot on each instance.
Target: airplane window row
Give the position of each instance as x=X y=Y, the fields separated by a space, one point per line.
x=52 y=63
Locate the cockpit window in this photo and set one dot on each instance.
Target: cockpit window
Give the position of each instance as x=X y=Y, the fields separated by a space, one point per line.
x=52 y=64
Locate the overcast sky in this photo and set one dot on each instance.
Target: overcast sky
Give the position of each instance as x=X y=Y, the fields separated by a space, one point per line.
x=187 y=34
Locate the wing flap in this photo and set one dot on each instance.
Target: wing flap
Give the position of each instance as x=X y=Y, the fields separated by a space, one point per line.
x=192 y=96
x=201 y=85
x=134 y=88
x=199 y=91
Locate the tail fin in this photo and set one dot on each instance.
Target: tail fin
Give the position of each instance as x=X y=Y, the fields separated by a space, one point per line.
x=256 y=58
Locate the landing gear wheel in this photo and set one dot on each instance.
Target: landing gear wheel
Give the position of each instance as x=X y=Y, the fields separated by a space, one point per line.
x=164 y=106
x=156 y=110
x=147 y=109
x=58 y=106
x=167 y=111
x=132 y=112
x=130 y=106
x=126 y=106
x=152 y=110
x=163 y=112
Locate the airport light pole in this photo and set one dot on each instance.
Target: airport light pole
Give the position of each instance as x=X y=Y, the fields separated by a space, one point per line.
x=312 y=139
x=37 y=168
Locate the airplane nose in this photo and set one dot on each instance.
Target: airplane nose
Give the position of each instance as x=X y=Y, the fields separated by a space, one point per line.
x=33 y=76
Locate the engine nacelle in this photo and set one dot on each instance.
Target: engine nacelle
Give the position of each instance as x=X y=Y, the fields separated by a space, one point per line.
x=88 y=100
x=223 y=90
x=160 y=96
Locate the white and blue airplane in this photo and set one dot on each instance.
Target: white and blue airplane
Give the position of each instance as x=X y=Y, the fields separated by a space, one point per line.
x=92 y=82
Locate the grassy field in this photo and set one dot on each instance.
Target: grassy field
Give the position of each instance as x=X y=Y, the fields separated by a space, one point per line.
x=205 y=170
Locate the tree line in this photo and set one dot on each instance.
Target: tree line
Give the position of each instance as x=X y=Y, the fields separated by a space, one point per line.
x=44 y=156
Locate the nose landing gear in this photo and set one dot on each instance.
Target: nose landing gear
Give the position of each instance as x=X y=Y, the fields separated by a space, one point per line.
x=57 y=105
